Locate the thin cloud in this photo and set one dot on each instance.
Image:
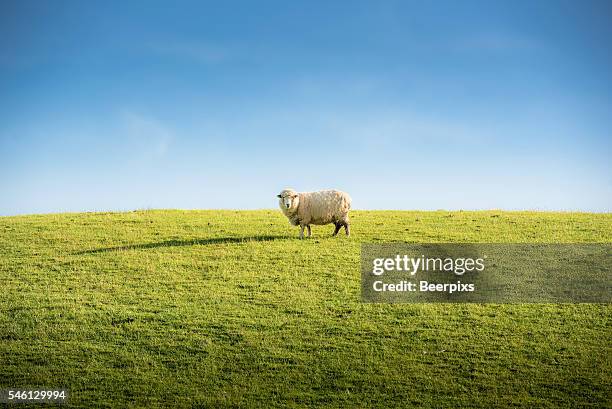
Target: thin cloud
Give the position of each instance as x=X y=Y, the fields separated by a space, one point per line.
x=496 y=42
x=148 y=136
x=389 y=129
x=199 y=52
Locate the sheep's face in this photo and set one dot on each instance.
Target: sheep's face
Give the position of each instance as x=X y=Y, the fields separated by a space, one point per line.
x=288 y=200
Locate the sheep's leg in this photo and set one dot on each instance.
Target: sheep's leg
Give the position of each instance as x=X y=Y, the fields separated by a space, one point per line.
x=309 y=232
x=347 y=228
x=338 y=225
x=301 y=231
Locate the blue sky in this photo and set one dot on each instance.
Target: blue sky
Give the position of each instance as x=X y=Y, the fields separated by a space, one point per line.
x=404 y=104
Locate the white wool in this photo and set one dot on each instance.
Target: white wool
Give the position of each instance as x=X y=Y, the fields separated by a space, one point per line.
x=318 y=208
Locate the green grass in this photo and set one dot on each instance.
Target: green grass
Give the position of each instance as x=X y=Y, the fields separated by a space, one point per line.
x=229 y=308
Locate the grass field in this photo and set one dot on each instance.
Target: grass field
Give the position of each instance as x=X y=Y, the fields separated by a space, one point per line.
x=229 y=308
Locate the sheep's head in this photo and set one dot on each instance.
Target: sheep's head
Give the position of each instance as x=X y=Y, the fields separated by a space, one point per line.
x=288 y=200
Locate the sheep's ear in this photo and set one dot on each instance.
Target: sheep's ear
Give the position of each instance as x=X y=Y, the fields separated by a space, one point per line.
x=279 y=196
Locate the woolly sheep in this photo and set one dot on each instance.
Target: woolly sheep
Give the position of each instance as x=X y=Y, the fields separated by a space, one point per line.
x=322 y=207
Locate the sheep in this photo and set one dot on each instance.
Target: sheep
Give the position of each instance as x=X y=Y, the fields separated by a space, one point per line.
x=322 y=207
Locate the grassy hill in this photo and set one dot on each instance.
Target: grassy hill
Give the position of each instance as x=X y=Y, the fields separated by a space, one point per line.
x=229 y=308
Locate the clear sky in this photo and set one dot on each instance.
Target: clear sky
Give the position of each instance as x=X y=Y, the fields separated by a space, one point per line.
x=404 y=104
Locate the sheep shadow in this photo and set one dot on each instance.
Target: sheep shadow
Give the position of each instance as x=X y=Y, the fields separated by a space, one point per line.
x=182 y=243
